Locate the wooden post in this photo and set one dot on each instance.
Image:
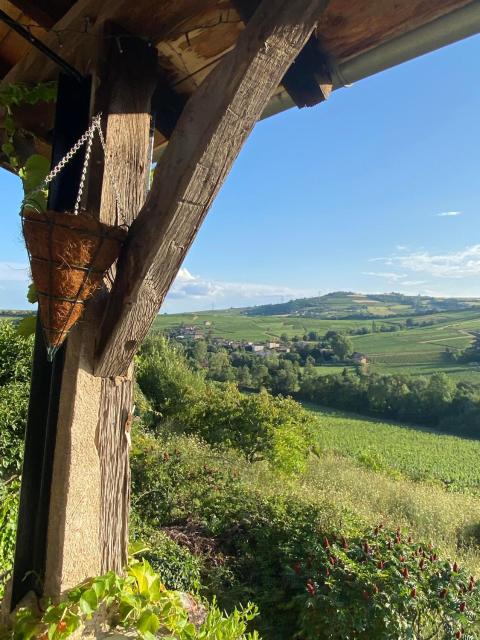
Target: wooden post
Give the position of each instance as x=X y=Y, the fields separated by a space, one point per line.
x=88 y=523
x=71 y=120
x=214 y=125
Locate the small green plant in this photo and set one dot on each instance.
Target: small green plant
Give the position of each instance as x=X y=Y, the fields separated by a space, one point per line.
x=384 y=585
x=137 y=602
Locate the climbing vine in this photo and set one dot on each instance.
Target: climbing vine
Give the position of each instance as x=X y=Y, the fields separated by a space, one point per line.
x=15 y=95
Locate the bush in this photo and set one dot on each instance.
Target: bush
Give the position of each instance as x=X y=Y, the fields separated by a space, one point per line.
x=15 y=365
x=177 y=567
x=383 y=586
x=257 y=534
x=259 y=425
x=9 y=496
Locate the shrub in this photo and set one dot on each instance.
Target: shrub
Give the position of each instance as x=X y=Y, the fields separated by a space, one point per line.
x=382 y=585
x=257 y=533
x=9 y=495
x=177 y=567
x=259 y=425
x=15 y=364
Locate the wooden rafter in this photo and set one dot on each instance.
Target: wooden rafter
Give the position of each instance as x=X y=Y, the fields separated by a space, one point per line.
x=42 y=13
x=209 y=135
x=300 y=81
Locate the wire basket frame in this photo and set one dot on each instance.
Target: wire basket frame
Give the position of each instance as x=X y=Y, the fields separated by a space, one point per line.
x=69 y=256
x=70 y=252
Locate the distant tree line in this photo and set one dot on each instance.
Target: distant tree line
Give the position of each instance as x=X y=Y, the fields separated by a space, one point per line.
x=435 y=401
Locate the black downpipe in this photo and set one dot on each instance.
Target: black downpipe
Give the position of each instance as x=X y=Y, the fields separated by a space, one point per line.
x=71 y=121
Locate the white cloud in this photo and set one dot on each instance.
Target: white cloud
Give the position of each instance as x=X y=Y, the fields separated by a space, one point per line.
x=13 y=272
x=394 y=277
x=448 y=214
x=193 y=289
x=457 y=264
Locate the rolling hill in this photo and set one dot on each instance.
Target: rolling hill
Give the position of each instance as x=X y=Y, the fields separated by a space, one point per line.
x=345 y=305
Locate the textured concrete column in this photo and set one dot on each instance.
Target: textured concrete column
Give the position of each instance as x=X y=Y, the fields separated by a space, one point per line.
x=73 y=550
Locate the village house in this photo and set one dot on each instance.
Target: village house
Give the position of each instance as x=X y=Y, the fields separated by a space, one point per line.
x=359 y=358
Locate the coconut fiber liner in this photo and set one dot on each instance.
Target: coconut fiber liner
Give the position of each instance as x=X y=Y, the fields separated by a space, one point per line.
x=69 y=256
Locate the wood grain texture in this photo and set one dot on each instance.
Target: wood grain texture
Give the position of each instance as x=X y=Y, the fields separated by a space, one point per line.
x=210 y=133
x=125 y=95
x=351 y=27
x=113 y=445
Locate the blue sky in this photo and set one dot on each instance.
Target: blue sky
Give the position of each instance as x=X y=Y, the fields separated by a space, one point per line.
x=376 y=190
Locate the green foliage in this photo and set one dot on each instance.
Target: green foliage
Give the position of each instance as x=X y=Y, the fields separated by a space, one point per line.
x=382 y=585
x=250 y=535
x=15 y=365
x=138 y=602
x=9 y=495
x=177 y=567
x=340 y=343
x=259 y=425
x=436 y=401
x=13 y=95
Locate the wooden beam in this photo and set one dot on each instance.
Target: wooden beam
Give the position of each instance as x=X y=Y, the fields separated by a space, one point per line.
x=88 y=525
x=167 y=106
x=209 y=135
x=300 y=81
x=44 y=14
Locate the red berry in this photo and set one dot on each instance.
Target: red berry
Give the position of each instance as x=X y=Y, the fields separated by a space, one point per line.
x=455 y=567
x=381 y=564
x=443 y=593
x=366 y=547
x=326 y=544
x=332 y=560
x=458 y=634
x=402 y=558
x=311 y=588
x=413 y=593
x=405 y=572
x=62 y=626
x=421 y=564
x=462 y=606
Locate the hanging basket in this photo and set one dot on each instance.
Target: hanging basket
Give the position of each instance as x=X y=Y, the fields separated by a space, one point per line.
x=69 y=257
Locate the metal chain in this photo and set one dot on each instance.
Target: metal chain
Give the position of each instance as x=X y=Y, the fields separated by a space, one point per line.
x=66 y=159
x=86 y=138
x=88 y=151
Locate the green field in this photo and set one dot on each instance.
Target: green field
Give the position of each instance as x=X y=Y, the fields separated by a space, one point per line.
x=418 y=454
x=232 y=325
x=415 y=351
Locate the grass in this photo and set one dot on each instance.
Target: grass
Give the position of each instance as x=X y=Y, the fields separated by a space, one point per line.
x=424 y=481
x=451 y=520
x=417 y=454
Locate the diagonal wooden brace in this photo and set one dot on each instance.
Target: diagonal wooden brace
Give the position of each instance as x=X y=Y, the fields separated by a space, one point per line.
x=209 y=135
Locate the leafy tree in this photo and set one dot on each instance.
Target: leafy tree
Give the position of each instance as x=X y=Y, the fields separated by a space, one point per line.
x=341 y=344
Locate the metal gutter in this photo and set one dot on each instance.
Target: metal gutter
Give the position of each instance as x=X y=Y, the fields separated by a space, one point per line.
x=452 y=27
